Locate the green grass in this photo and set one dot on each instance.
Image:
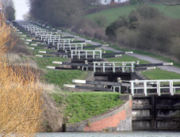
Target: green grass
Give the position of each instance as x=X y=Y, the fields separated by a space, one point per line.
x=61 y=77
x=126 y=58
x=159 y=74
x=46 y=61
x=171 y=11
x=113 y=14
x=40 y=48
x=58 y=77
x=84 y=105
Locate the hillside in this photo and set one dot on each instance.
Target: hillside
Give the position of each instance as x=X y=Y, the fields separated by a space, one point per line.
x=113 y=14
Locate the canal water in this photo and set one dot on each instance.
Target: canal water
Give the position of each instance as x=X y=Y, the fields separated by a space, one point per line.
x=125 y=134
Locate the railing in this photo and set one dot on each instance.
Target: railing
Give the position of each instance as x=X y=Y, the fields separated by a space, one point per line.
x=69 y=47
x=94 y=54
x=157 y=86
x=114 y=66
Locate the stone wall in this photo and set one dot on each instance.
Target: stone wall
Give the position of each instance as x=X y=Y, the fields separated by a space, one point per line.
x=119 y=119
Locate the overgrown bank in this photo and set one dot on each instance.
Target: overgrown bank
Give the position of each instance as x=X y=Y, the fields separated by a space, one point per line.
x=84 y=105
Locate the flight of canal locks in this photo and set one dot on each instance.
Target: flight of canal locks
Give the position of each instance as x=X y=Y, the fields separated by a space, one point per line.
x=150 y=105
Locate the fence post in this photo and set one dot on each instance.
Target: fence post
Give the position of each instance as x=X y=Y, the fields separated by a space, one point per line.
x=132 y=88
x=158 y=88
x=145 y=88
x=114 y=67
x=94 y=63
x=171 y=86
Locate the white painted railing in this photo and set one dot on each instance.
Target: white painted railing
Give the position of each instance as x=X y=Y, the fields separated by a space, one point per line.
x=114 y=66
x=69 y=46
x=159 y=86
x=94 y=54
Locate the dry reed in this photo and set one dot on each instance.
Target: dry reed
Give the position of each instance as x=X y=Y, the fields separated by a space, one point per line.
x=20 y=95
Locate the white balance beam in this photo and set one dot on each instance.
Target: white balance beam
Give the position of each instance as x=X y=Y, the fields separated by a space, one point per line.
x=41 y=56
x=69 y=86
x=43 y=52
x=76 y=81
x=50 y=67
x=57 y=62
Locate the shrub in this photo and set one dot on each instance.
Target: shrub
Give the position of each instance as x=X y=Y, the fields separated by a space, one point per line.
x=147 y=29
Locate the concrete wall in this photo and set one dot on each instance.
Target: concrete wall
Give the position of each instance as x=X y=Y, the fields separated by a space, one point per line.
x=119 y=119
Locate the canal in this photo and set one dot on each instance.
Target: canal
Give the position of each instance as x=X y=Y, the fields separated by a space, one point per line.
x=123 y=134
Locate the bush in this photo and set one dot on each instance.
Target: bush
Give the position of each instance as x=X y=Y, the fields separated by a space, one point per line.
x=89 y=28
x=147 y=29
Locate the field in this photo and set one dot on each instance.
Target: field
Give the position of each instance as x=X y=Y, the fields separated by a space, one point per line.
x=84 y=105
x=113 y=14
x=127 y=58
x=159 y=74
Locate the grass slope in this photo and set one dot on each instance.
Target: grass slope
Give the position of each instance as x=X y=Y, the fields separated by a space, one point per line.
x=113 y=14
x=84 y=105
x=61 y=77
x=126 y=58
x=58 y=77
x=159 y=74
x=46 y=61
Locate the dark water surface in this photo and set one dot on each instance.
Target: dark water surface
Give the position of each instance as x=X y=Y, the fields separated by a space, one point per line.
x=124 y=134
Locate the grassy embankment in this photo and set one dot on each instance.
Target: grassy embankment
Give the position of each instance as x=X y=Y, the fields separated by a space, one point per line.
x=159 y=74
x=113 y=14
x=84 y=105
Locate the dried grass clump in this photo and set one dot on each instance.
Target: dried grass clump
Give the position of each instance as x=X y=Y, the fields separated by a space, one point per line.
x=20 y=94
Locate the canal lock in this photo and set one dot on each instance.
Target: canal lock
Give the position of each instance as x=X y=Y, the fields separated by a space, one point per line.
x=156 y=113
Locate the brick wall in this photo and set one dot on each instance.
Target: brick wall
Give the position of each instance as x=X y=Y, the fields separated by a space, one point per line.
x=119 y=119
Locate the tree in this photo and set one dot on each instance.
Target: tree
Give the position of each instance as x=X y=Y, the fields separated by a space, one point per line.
x=10 y=13
x=136 y=2
x=58 y=12
x=9 y=10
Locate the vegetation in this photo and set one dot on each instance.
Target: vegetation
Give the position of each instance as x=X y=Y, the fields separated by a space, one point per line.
x=46 y=61
x=61 y=77
x=20 y=94
x=113 y=14
x=84 y=105
x=147 y=29
x=58 y=77
x=127 y=58
x=59 y=12
x=9 y=10
x=159 y=74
